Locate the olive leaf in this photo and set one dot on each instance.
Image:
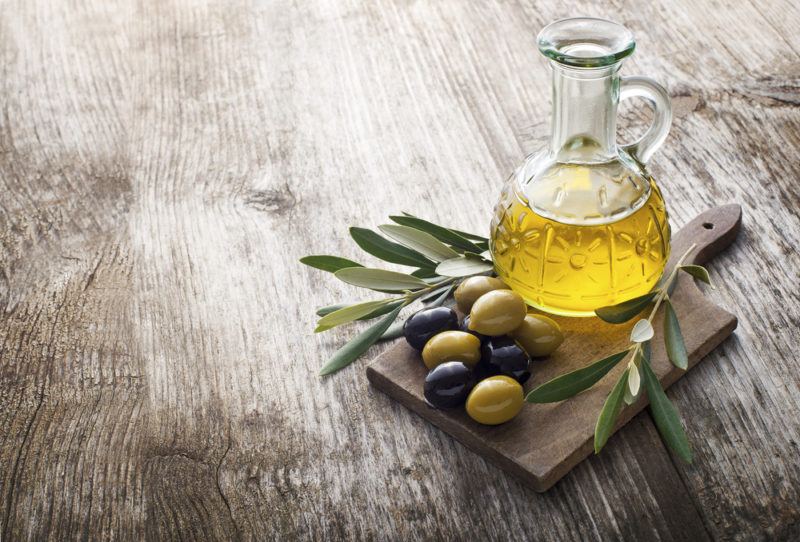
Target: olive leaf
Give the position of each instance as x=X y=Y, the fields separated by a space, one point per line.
x=422 y=242
x=388 y=251
x=442 y=234
x=425 y=273
x=394 y=331
x=630 y=398
x=380 y=279
x=466 y=235
x=357 y=346
x=698 y=272
x=479 y=240
x=642 y=355
x=608 y=415
x=442 y=297
x=322 y=311
x=618 y=314
x=463 y=267
x=666 y=416
x=434 y=293
x=642 y=331
x=633 y=380
x=567 y=385
x=673 y=338
x=328 y=263
x=350 y=313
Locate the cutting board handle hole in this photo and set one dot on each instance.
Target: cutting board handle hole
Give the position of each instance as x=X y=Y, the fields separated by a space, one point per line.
x=708 y=225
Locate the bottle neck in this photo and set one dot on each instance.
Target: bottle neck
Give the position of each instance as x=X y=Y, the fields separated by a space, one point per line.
x=584 y=114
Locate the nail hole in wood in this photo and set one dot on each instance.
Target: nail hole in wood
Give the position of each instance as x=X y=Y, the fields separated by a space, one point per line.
x=708 y=225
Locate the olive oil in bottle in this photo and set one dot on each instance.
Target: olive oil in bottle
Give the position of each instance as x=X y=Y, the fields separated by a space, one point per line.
x=593 y=260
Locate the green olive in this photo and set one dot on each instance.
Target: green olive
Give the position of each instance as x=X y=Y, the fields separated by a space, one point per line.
x=452 y=346
x=472 y=288
x=538 y=335
x=495 y=400
x=497 y=312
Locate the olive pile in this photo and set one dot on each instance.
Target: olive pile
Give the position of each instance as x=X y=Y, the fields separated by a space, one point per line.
x=484 y=359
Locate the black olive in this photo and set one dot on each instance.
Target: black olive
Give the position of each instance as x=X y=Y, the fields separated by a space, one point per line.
x=426 y=323
x=449 y=384
x=465 y=327
x=503 y=356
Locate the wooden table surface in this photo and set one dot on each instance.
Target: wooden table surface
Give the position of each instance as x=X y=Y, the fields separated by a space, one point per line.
x=164 y=164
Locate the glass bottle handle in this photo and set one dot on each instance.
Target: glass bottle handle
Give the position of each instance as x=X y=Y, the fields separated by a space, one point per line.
x=656 y=95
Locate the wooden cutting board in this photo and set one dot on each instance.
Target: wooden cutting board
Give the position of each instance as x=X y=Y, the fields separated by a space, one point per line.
x=545 y=441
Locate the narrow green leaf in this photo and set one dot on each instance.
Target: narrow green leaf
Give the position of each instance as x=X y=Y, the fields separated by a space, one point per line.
x=394 y=331
x=479 y=239
x=322 y=311
x=358 y=311
x=463 y=267
x=425 y=273
x=567 y=385
x=388 y=251
x=634 y=381
x=434 y=293
x=673 y=338
x=642 y=331
x=698 y=272
x=357 y=346
x=379 y=279
x=666 y=416
x=328 y=263
x=608 y=415
x=617 y=314
x=381 y=311
x=643 y=356
x=442 y=297
x=422 y=242
x=442 y=234
x=466 y=235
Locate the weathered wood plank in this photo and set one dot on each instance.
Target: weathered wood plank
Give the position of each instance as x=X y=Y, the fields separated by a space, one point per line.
x=71 y=386
x=165 y=164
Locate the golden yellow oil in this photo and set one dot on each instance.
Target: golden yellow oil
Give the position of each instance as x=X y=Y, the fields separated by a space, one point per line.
x=573 y=269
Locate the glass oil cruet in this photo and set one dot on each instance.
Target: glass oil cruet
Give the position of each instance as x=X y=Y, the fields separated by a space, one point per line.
x=581 y=224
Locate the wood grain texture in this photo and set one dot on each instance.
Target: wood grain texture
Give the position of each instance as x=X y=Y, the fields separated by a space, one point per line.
x=544 y=442
x=164 y=164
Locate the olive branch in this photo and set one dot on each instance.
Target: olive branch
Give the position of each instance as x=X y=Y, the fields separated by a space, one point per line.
x=440 y=256
x=629 y=385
